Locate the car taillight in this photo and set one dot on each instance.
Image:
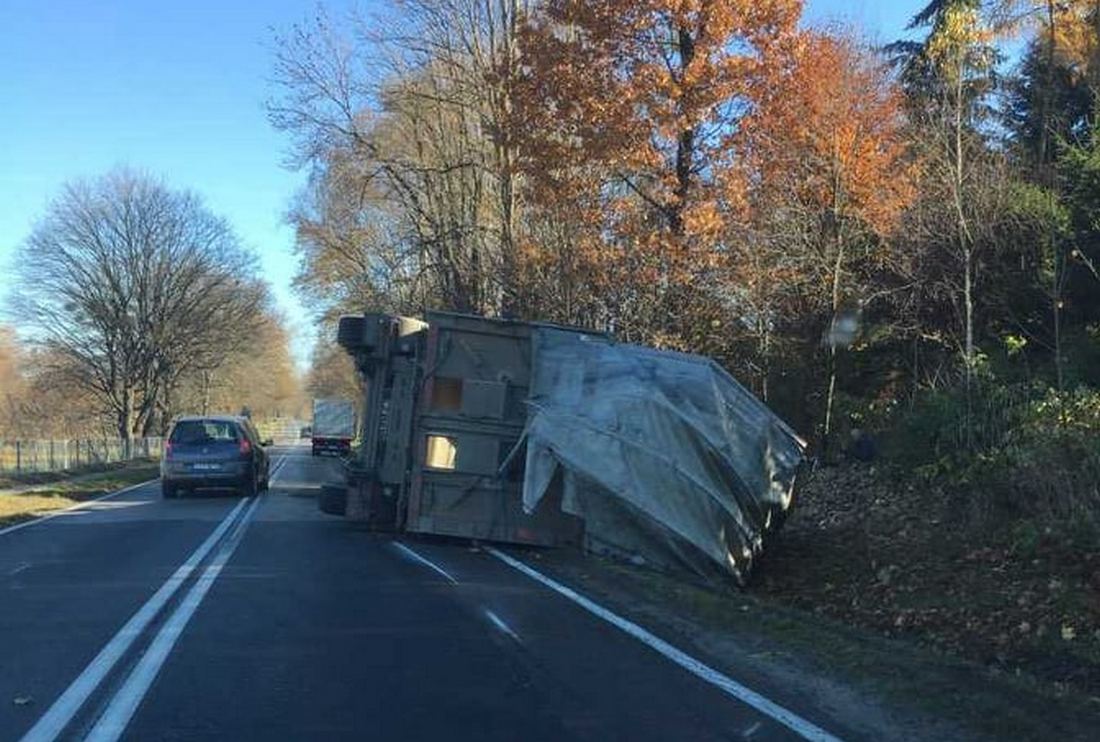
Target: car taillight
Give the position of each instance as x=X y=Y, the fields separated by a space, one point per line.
x=167 y=449
x=246 y=447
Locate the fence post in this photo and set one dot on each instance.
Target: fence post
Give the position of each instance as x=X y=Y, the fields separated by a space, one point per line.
x=18 y=456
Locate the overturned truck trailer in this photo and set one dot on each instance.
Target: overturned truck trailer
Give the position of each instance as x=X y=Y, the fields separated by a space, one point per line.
x=538 y=434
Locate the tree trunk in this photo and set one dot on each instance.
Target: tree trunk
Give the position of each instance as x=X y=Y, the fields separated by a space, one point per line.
x=1043 y=145
x=506 y=161
x=1094 y=63
x=966 y=251
x=1057 y=346
x=685 y=145
x=765 y=362
x=126 y=415
x=149 y=423
x=165 y=411
x=1057 y=285
x=831 y=393
x=205 y=392
x=1048 y=176
x=838 y=267
x=144 y=418
x=916 y=372
x=968 y=302
x=508 y=303
x=968 y=308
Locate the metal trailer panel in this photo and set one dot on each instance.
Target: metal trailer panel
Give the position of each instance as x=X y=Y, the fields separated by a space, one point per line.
x=471 y=417
x=386 y=351
x=664 y=455
x=532 y=433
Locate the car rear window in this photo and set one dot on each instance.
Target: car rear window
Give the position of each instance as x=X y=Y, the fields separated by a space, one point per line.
x=189 y=432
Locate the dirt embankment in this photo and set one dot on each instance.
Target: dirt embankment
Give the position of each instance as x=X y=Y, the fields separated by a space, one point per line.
x=908 y=562
x=895 y=613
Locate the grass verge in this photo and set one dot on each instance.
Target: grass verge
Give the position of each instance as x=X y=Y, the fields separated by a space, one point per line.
x=10 y=480
x=19 y=506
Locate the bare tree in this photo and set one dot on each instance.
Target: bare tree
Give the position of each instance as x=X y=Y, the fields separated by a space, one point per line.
x=133 y=286
x=407 y=129
x=12 y=382
x=332 y=372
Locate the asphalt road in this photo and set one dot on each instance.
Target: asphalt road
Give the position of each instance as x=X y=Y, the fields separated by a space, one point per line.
x=221 y=618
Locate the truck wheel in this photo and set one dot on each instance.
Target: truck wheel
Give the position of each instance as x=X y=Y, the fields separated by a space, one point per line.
x=168 y=490
x=333 y=499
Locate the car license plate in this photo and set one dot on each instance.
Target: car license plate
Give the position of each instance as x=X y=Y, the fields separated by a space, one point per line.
x=206 y=467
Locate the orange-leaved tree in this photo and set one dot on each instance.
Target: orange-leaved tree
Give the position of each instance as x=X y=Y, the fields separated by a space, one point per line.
x=628 y=110
x=832 y=173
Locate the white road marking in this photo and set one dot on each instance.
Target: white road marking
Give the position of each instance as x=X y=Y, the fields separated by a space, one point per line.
x=429 y=564
x=503 y=627
x=54 y=721
x=274 y=471
x=78 y=506
x=731 y=687
x=114 y=720
x=23 y=567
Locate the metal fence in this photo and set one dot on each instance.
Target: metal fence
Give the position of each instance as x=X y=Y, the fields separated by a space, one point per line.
x=59 y=455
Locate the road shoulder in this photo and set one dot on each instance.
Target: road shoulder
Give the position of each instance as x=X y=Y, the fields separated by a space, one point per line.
x=27 y=502
x=882 y=688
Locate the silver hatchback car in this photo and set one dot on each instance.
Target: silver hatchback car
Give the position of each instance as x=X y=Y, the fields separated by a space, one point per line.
x=214 y=452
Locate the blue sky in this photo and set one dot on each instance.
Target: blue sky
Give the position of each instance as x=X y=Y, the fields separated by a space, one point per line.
x=177 y=89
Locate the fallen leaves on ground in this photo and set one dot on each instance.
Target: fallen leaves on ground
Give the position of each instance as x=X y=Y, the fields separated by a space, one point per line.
x=910 y=562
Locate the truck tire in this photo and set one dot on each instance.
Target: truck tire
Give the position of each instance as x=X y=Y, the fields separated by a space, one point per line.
x=333 y=499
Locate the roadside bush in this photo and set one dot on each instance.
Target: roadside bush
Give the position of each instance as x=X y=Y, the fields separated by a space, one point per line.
x=1048 y=464
x=1028 y=452
x=934 y=437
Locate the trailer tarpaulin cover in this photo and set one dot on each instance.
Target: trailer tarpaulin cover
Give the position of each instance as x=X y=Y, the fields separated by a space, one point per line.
x=664 y=455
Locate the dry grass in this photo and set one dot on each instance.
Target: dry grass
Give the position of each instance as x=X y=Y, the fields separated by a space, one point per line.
x=11 y=480
x=14 y=508
x=25 y=505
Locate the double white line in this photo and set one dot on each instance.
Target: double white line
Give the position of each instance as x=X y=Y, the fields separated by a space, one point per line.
x=121 y=709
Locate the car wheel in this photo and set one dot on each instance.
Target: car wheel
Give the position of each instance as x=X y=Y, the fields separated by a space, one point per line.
x=250 y=487
x=168 y=490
